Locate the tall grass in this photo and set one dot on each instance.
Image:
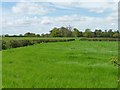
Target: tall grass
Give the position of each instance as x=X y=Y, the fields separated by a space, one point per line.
x=76 y=64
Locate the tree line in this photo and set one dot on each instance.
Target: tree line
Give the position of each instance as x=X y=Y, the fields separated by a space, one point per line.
x=72 y=32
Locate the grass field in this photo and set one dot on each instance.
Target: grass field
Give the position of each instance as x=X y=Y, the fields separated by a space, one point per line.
x=76 y=64
x=0 y=70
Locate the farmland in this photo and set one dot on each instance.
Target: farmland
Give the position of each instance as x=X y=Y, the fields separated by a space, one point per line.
x=59 y=44
x=75 y=64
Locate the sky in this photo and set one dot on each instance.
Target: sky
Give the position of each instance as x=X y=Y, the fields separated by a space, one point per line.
x=40 y=17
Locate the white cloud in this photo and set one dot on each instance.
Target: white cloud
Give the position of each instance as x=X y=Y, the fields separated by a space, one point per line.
x=60 y=0
x=97 y=7
x=31 y=8
x=46 y=21
x=44 y=24
x=15 y=23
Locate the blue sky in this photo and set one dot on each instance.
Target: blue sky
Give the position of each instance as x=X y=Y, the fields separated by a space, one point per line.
x=41 y=17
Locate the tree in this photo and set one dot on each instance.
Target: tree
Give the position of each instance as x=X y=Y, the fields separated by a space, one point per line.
x=88 y=33
x=42 y=35
x=110 y=33
x=98 y=33
x=20 y=35
x=61 y=32
x=6 y=35
x=55 y=32
x=38 y=35
x=76 y=32
x=65 y=32
x=47 y=35
x=105 y=34
x=28 y=34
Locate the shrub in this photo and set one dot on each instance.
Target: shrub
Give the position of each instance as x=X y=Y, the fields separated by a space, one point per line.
x=26 y=42
x=20 y=43
x=15 y=43
x=3 y=45
x=99 y=39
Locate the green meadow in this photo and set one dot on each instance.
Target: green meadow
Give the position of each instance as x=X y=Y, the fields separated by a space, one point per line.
x=75 y=64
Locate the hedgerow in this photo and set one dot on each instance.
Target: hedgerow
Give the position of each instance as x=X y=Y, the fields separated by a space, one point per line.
x=99 y=39
x=21 y=43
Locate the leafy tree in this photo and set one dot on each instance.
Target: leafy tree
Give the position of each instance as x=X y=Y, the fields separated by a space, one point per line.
x=42 y=35
x=28 y=34
x=55 y=32
x=105 y=34
x=20 y=35
x=65 y=32
x=110 y=32
x=61 y=32
x=6 y=35
x=76 y=32
x=38 y=35
x=47 y=35
x=88 y=33
x=98 y=33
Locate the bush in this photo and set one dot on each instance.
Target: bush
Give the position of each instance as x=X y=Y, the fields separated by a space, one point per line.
x=20 y=43
x=26 y=42
x=3 y=45
x=99 y=39
x=15 y=43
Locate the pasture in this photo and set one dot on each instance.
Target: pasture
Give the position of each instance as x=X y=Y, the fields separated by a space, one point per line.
x=75 y=64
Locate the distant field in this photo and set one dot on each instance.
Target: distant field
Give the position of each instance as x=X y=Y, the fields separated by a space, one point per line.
x=76 y=64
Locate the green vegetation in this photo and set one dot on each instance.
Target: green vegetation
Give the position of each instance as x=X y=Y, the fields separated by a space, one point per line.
x=99 y=39
x=0 y=70
x=8 y=43
x=14 y=42
x=72 y=32
x=76 y=64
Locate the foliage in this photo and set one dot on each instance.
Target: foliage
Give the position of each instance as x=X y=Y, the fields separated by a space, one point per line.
x=88 y=33
x=14 y=43
x=72 y=32
x=99 y=39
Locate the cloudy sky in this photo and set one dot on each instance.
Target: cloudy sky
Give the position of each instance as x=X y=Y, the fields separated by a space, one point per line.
x=41 y=17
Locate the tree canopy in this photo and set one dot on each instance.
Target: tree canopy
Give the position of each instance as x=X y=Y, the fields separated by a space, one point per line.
x=72 y=32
